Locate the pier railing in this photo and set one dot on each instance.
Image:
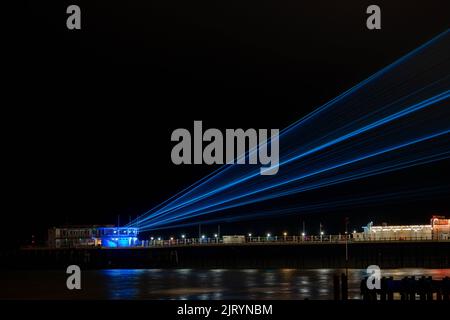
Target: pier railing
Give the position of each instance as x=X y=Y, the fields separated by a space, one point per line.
x=324 y=239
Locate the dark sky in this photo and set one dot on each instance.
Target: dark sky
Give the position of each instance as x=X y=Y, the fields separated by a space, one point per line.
x=88 y=128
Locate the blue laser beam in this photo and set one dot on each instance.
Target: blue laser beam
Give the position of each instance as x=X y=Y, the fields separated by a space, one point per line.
x=408 y=110
x=346 y=163
x=341 y=203
x=210 y=194
x=312 y=115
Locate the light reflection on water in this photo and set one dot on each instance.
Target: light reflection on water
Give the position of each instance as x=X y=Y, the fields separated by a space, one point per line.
x=200 y=284
x=245 y=284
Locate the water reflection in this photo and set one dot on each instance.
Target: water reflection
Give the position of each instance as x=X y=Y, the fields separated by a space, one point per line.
x=241 y=284
x=197 y=284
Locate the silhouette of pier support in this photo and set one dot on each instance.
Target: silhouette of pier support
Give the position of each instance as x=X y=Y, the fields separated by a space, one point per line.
x=409 y=289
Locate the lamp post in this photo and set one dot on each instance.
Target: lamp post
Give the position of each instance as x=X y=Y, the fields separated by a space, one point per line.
x=346 y=245
x=303 y=231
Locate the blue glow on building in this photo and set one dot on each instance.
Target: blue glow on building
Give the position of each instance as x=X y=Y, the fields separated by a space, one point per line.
x=118 y=237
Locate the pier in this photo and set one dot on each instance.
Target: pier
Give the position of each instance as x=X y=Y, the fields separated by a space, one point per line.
x=279 y=253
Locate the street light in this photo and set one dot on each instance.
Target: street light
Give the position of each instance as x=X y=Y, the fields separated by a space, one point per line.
x=183 y=236
x=249 y=235
x=215 y=235
x=268 y=235
x=171 y=238
x=285 y=234
x=203 y=236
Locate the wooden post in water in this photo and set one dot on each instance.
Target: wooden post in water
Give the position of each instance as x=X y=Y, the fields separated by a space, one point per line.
x=422 y=289
x=403 y=289
x=412 y=288
x=383 y=291
x=344 y=286
x=390 y=283
x=446 y=288
x=363 y=288
x=336 y=287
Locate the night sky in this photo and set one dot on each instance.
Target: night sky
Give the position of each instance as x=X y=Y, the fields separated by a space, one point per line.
x=88 y=129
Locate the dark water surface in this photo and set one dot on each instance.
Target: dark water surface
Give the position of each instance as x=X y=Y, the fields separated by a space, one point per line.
x=191 y=283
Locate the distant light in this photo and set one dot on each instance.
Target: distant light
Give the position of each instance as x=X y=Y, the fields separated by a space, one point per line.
x=159 y=238
x=171 y=238
x=215 y=235
x=354 y=231
x=321 y=233
x=268 y=235
x=183 y=236
x=303 y=234
x=285 y=234
x=151 y=238
x=203 y=236
x=249 y=234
